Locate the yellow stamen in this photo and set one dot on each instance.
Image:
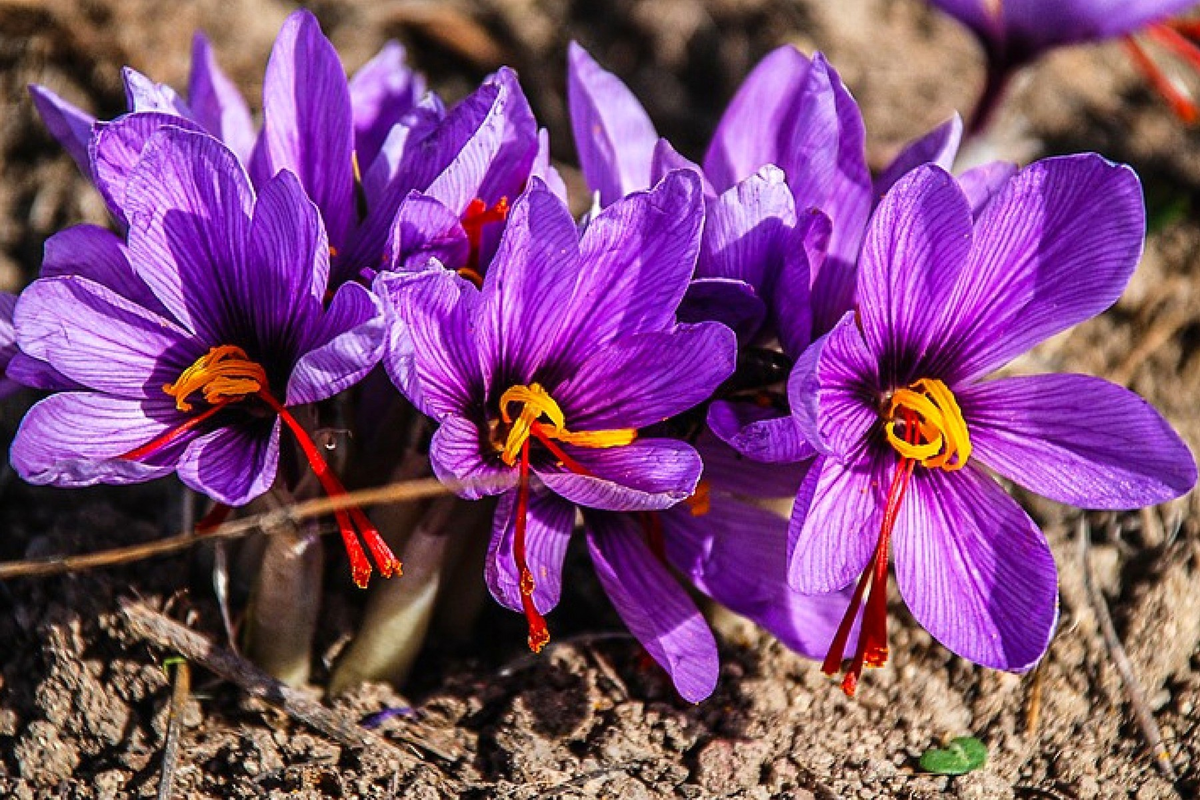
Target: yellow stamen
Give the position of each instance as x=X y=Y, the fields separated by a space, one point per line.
x=944 y=441
x=536 y=403
x=223 y=374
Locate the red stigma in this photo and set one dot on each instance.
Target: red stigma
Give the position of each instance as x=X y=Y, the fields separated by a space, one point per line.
x=1177 y=37
x=477 y=215
x=872 y=648
x=538 y=633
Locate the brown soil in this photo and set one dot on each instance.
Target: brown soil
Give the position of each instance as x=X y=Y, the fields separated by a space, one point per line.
x=83 y=700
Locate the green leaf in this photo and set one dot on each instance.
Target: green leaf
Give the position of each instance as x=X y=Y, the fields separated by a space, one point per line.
x=961 y=755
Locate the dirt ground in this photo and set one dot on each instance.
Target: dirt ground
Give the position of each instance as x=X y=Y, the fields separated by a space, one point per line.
x=84 y=699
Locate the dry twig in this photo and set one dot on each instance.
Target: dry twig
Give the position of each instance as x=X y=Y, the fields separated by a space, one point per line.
x=180 y=691
x=1133 y=687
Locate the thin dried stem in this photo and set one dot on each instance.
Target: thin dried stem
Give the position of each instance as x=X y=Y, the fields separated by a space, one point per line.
x=180 y=691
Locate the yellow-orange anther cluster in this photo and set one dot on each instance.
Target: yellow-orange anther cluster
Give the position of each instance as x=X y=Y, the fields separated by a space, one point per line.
x=223 y=374
x=536 y=403
x=944 y=440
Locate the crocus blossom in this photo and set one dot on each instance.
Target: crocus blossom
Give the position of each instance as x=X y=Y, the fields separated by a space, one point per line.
x=894 y=401
x=1014 y=33
x=188 y=348
x=543 y=381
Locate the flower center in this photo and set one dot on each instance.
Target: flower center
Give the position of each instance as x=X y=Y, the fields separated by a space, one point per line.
x=477 y=215
x=225 y=375
x=535 y=404
x=222 y=375
x=941 y=438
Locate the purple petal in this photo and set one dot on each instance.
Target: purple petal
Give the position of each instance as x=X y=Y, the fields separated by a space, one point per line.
x=984 y=182
x=217 y=104
x=745 y=231
x=189 y=204
x=233 y=464
x=727 y=470
x=732 y=303
x=287 y=261
x=914 y=250
x=653 y=605
x=790 y=304
x=343 y=346
x=759 y=434
x=430 y=352
x=548 y=526
x=527 y=292
x=667 y=159
x=100 y=339
x=736 y=554
x=836 y=522
x=1056 y=247
x=77 y=438
x=1078 y=440
x=647 y=475
x=424 y=229
x=115 y=149
x=648 y=378
x=939 y=146
x=543 y=170
x=382 y=91
x=98 y=254
x=307 y=124
x=8 y=341
x=70 y=126
x=143 y=94
x=456 y=453
x=636 y=258
x=974 y=569
x=26 y=370
x=613 y=134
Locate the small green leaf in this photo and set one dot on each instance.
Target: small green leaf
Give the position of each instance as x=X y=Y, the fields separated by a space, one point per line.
x=961 y=755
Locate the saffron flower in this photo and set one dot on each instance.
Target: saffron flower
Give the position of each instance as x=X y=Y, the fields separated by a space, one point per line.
x=907 y=430
x=1015 y=33
x=545 y=383
x=210 y=334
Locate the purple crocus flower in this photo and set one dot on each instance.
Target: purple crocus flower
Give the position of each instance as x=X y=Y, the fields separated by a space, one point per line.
x=1014 y=33
x=210 y=329
x=8 y=342
x=543 y=382
x=893 y=400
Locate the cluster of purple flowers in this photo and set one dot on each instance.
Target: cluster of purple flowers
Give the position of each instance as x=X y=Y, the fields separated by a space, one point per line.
x=709 y=341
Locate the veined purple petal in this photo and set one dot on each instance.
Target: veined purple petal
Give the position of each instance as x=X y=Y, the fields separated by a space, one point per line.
x=613 y=134
x=636 y=258
x=647 y=475
x=217 y=104
x=98 y=338
x=233 y=464
x=736 y=554
x=834 y=392
x=26 y=370
x=984 y=182
x=759 y=434
x=527 y=292
x=1055 y=247
x=836 y=522
x=98 y=254
x=667 y=159
x=938 y=146
x=189 y=205
x=70 y=126
x=790 y=304
x=115 y=149
x=76 y=438
x=430 y=350
x=549 y=523
x=648 y=378
x=915 y=249
x=654 y=607
x=974 y=569
x=281 y=285
x=307 y=121
x=543 y=170
x=343 y=345
x=456 y=453
x=382 y=91
x=745 y=231
x=425 y=228
x=1078 y=440
x=727 y=470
